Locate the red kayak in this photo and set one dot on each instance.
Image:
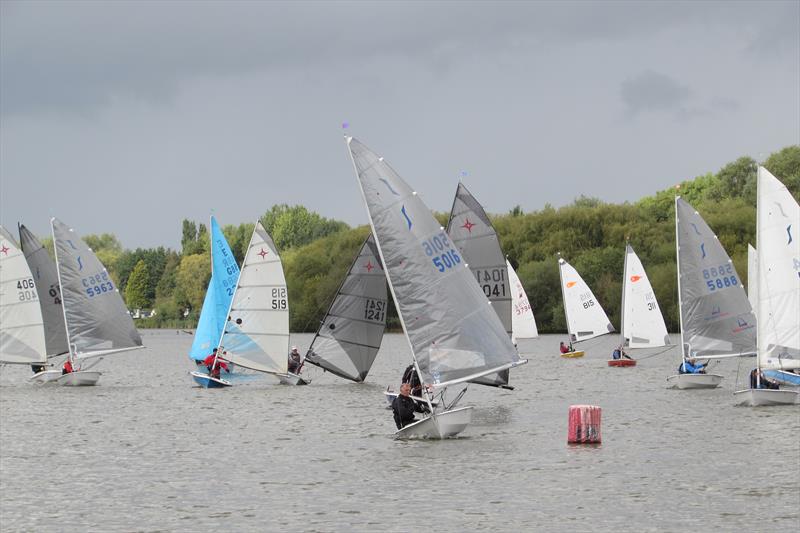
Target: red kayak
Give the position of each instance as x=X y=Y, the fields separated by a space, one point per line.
x=621 y=362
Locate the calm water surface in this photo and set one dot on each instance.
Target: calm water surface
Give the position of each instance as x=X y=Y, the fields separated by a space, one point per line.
x=145 y=450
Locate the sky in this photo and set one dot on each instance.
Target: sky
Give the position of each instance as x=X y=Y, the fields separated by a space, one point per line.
x=127 y=117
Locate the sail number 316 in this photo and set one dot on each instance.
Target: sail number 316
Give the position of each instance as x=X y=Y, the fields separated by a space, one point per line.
x=442 y=256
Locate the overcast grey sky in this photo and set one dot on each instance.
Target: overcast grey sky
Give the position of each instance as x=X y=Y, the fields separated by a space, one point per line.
x=127 y=117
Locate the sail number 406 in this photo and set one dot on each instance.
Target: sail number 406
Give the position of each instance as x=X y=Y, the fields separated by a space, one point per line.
x=279 y=298
x=26 y=290
x=442 y=255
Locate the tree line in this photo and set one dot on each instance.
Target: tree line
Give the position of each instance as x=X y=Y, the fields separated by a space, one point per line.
x=589 y=234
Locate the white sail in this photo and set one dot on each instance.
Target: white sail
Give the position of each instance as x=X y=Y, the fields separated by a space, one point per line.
x=752 y=276
x=256 y=335
x=523 y=323
x=585 y=317
x=98 y=323
x=21 y=325
x=778 y=233
x=642 y=323
x=454 y=333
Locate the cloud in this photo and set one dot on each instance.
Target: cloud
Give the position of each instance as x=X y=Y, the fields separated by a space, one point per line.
x=653 y=91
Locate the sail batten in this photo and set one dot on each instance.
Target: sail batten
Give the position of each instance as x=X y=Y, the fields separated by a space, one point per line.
x=453 y=331
x=95 y=315
x=351 y=332
x=22 y=337
x=716 y=316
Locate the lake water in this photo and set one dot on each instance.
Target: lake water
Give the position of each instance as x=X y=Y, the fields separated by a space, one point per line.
x=146 y=450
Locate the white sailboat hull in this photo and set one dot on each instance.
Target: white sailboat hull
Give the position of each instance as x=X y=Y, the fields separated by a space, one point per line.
x=438 y=426
x=764 y=397
x=694 y=381
x=79 y=378
x=45 y=376
x=292 y=379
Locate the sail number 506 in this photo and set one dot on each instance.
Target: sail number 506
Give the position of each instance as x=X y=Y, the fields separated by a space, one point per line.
x=442 y=255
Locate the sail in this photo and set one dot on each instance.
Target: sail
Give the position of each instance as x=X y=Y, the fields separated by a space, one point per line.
x=21 y=325
x=45 y=275
x=752 y=277
x=523 y=322
x=716 y=318
x=778 y=227
x=351 y=332
x=454 y=333
x=472 y=232
x=214 y=313
x=97 y=320
x=256 y=333
x=642 y=323
x=585 y=317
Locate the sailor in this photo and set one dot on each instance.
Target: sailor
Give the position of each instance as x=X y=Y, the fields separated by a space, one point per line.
x=404 y=407
x=411 y=377
x=294 y=360
x=759 y=381
x=564 y=349
x=67 y=368
x=691 y=366
x=214 y=363
x=38 y=368
x=619 y=353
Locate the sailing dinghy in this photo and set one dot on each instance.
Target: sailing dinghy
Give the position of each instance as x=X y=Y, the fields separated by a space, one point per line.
x=96 y=319
x=523 y=323
x=641 y=321
x=472 y=232
x=22 y=338
x=256 y=332
x=454 y=333
x=778 y=289
x=213 y=314
x=715 y=315
x=586 y=319
x=350 y=335
x=45 y=276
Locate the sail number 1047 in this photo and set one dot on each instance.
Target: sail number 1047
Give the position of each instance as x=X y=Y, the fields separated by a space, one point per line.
x=441 y=252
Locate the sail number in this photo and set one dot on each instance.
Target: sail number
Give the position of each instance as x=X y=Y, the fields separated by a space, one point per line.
x=374 y=310
x=719 y=278
x=279 y=298
x=493 y=282
x=522 y=308
x=97 y=284
x=26 y=290
x=442 y=255
x=586 y=300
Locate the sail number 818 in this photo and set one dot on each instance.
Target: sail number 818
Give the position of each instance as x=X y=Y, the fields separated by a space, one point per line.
x=442 y=255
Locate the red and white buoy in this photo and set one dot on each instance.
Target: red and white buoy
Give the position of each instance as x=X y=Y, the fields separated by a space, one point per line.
x=584 y=424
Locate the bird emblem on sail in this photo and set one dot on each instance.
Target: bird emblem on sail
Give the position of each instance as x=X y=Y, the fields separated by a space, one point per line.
x=388 y=186
x=695 y=228
x=703 y=249
x=571 y=284
x=635 y=278
x=789 y=231
x=403 y=210
x=468 y=225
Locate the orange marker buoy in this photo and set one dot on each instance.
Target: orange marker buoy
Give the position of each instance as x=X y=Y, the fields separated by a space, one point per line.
x=584 y=424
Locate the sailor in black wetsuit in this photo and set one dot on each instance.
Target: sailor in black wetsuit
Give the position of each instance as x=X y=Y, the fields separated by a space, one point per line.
x=404 y=407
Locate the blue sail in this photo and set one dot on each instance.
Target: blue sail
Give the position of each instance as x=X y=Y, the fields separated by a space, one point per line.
x=213 y=315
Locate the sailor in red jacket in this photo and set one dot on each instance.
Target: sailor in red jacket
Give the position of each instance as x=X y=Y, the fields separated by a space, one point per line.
x=67 y=368
x=219 y=363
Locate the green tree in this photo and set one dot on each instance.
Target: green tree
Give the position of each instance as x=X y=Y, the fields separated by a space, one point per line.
x=136 y=290
x=191 y=282
x=295 y=226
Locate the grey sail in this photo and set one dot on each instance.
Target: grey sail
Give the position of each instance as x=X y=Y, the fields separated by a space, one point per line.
x=350 y=335
x=454 y=333
x=45 y=275
x=97 y=321
x=716 y=316
x=471 y=230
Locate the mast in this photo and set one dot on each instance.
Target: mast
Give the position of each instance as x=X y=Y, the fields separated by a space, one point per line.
x=678 y=264
x=60 y=284
x=622 y=305
x=564 y=300
x=388 y=277
x=759 y=252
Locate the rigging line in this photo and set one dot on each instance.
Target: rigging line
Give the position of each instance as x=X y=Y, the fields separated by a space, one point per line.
x=668 y=348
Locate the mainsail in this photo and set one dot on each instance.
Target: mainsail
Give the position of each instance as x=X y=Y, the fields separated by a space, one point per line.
x=585 y=317
x=778 y=228
x=523 y=323
x=453 y=331
x=716 y=318
x=472 y=232
x=21 y=326
x=96 y=318
x=214 y=313
x=256 y=333
x=642 y=323
x=45 y=275
x=350 y=335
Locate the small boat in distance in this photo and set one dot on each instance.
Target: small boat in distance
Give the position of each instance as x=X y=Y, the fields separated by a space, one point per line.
x=586 y=319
